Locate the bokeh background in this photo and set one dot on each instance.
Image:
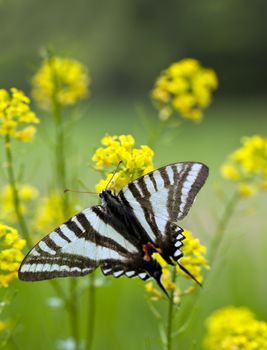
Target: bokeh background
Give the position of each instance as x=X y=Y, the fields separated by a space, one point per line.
x=125 y=45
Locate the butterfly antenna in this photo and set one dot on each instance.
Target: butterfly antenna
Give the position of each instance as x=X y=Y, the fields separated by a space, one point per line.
x=76 y=191
x=114 y=173
x=189 y=274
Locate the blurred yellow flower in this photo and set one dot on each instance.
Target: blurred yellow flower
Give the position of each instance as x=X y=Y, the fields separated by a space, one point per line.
x=61 y=80
x=4 y=326
x=248 y=165
x=26 y=194
x=15 y=115
x=135 y=162
x=193 y=260
x=10 y=254
x=235 y=328
x=246 y=190
x=186 y=87
x=230 y=172
x=50 y=213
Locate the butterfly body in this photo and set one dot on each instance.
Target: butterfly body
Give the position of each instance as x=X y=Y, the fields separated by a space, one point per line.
x=121 y=235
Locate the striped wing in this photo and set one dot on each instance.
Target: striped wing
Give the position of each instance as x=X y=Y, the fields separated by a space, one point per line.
x=164 y=195
x=79 y=246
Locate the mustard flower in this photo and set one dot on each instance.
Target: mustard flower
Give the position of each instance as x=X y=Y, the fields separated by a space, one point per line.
x=50 y=212
x=10 y=254
x=193 y=260
x=185 y=87
x=235 y=328
x=61 y=80
x=247 y=166
x=16 y=115
x=135 y=162
x=27 y=194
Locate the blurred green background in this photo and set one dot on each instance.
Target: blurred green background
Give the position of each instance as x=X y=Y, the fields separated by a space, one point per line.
x=125 y=45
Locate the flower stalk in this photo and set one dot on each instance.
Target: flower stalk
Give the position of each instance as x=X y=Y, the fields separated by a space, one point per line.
x=169 y=336
x=223 y=223
x=60 y=154
x=13 y=186
x=61 y=181
x=91 y=313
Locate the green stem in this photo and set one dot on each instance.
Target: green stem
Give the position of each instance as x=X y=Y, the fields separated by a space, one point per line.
x=61 y=180
x=74 y=312
x=156 y=133
x=170 y=314
x=60 y=153
x=222 y=226
x=14 y=189
x=91 y=313
x=12 y=343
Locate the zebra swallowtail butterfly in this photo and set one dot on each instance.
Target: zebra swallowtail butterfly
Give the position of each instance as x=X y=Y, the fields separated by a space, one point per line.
x=121 y=235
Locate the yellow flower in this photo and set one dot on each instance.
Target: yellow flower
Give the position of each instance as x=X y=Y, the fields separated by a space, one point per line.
x=248 y=165
x=26 y=193
x=61 y=80
x=193 y=260
x=119 y=150
x=154 y=293
x=50 y=213
x=15 y=114
x=185 y=87
x=10 y=254
x=235 y=328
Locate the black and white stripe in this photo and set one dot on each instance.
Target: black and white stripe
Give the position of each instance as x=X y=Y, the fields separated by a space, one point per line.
x=113 y=235
x=167 y=193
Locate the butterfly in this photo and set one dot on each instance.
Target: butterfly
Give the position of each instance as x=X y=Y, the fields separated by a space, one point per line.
x=121 y=235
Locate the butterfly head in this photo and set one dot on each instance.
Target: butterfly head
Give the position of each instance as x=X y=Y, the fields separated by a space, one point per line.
x=105 y=193
x=109 y=200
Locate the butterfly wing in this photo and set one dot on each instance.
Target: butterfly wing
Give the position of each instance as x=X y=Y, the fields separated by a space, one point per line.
x=169 y=191
x=79 y=246
x=163 y=197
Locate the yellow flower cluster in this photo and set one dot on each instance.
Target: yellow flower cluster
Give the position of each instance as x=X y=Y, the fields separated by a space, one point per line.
x=50 y=213
x=26 y=193
x=235 y=328
x=185 y=87
x=119 y=150
x=10 y=254
x=193 y=260
x=15 y=115
x=61 y=80
x=248 y=166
